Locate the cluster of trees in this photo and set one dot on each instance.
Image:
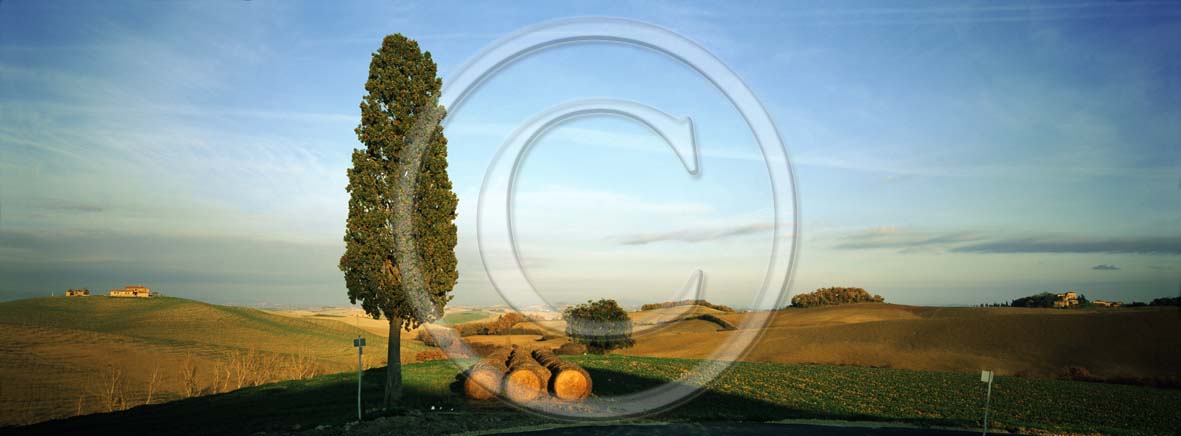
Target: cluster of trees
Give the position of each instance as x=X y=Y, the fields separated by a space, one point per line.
x=1044 y=299
x=1166 y=301
x=1157 y=302
x=834 y=296
x=668 y=304
x=600 y=325
x=500 y=326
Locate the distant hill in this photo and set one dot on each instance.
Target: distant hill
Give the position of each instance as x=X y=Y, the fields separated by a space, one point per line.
x=57 y=354
x=668 y=304
x=1134 y=345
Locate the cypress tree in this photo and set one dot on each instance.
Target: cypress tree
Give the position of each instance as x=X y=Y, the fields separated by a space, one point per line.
x=399 y=259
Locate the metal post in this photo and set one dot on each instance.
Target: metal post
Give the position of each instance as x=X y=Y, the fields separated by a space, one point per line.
x=360 y=344
x=987 y=400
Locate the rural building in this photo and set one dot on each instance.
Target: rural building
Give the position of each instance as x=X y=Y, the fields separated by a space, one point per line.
x=77 y=292
x=132 y=291
x=1066 y=300
x=1104 y=303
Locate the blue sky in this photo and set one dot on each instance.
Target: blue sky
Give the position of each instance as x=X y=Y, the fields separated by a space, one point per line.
x=946 y=153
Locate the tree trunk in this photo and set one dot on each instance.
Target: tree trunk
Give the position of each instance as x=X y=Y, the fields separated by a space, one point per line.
x=393 y=369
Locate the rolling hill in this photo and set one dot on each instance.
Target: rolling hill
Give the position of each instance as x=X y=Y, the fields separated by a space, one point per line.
x=1124 y=344
x=748 y=392
x=61 y=356
x=1135 y=345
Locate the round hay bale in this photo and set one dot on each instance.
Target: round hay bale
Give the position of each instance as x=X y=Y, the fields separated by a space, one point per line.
x=526 y=380
x=484 y=378
x=568 y=381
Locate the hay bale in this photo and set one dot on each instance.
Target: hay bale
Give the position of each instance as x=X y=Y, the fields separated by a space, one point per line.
x=568 y=381
x=526 y=379
x=484 y=378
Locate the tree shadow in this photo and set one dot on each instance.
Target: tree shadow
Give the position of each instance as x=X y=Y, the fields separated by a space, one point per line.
x=436 y=406
x=709 y=405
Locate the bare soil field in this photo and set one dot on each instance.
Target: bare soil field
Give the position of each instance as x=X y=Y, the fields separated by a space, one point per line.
x=1107 y=344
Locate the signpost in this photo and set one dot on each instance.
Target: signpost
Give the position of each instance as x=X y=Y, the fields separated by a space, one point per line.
x=986 y=377
x=360 y=344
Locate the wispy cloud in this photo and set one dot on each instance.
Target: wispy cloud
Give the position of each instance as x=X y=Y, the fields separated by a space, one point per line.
x=905 y=240
x=1105 y=268
x=71 y=206
x=1078 y=244
x=980 y=242
x=692 y=235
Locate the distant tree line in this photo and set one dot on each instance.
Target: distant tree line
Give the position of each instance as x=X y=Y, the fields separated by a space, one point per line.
x=1166 y=301
x=668 y=304
x=1047 y=299
x=834 y=296
x=443 y=337
x=1157 y=302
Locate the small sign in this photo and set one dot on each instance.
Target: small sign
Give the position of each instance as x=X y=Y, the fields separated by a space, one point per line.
x=986 y=376
x=359 y=342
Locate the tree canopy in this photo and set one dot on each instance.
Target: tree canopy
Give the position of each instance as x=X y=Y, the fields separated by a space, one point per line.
x=600 y=325
x=834 y=296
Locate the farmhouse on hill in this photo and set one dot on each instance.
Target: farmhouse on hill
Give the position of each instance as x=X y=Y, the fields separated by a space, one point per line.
x=1069 y=299
x=78 y=292
x=132 y=291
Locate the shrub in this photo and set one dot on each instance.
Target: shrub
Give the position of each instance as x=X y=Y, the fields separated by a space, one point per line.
x=431 y=354
x=437 y=336
x=668 y=304
x=500 y=326
x=483 y=349
x=835 y=296
x=600 y=325
x=725 y=325
x=571 y=349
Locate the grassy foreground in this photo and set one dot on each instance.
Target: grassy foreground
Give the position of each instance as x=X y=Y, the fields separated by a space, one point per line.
x=57 y=354
x=748 y=392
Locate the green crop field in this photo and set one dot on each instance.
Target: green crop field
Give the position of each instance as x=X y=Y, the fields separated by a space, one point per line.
x=465 y=316
x=748 y=392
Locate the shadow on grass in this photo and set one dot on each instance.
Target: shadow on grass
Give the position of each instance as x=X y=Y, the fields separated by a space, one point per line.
x=433 y=403
x=714 y=406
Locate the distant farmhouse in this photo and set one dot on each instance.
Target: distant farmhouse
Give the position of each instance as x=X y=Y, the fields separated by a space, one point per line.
x=1067 y=300
x=132 y=292
x=78 y=292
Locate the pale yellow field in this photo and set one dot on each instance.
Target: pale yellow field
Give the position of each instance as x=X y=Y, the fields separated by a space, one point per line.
x=58 y=355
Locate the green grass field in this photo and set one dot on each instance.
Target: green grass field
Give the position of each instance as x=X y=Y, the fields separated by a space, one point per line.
x=465 y=316
x=748 y=392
